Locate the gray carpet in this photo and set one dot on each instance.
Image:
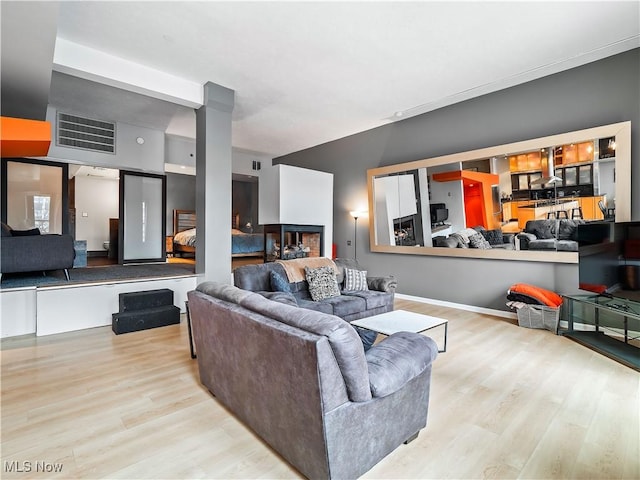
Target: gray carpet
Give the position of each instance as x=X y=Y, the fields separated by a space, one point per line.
x=95 y=274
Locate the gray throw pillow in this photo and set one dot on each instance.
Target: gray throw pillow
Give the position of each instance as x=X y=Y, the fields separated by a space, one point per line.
x=478 y=241
x=279 y=283
x=322 y=283
x=494 y=237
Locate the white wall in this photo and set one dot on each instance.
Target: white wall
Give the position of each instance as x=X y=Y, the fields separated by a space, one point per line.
x=148 y=157
x=181 y=151
x=96 y=197
x=605 y=180
x=299 y=196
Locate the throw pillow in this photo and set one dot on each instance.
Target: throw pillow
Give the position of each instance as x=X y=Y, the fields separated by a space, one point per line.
x=355 y=280
x=460 y=240
x=478 y=241
x=25 y=233
x=322 y=283
x=494 y=237
x=279 y=283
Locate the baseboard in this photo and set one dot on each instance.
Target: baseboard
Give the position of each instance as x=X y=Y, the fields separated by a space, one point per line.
x=97 y=253
x=459 y=306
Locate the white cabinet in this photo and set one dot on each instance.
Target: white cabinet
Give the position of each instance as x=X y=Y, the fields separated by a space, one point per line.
x=69 y=308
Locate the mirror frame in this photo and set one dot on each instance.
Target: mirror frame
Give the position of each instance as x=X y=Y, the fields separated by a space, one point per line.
x=622 y=132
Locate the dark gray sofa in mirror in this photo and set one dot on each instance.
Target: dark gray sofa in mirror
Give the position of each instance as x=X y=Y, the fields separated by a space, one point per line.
x=552 y=235
x=301 y=380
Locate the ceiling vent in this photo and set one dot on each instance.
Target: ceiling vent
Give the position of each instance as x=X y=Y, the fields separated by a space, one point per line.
x=78 y=132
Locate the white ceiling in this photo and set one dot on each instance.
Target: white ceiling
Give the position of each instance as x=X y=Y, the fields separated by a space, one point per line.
x=305 y=73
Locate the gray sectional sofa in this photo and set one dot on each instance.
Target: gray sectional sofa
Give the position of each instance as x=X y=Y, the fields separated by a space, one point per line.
x=350 y=305
x=302 y=381
x=554 y=235
x=28 y=251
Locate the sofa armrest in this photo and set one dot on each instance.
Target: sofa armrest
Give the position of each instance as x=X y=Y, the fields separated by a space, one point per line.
x=508 y=238
x=524 y=239
x=398 y=359
x=382 y=284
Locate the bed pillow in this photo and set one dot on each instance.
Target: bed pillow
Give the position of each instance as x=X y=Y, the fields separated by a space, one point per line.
x=322 y=283
x=355 y=280
x=279 y=283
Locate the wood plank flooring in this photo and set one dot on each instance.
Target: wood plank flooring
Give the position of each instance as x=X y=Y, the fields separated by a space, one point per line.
x=506 y=402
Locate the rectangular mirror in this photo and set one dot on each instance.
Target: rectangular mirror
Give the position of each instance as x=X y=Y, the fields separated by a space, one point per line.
x=508 y=202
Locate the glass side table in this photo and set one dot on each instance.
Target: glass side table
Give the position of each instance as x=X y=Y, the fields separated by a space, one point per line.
x=609 y=325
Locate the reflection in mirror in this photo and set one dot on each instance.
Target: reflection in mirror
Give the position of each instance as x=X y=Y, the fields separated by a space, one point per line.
x=504 y=202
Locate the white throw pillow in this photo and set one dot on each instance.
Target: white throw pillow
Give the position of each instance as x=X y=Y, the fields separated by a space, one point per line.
x=355 y=280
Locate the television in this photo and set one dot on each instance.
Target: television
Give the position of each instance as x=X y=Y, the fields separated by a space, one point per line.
x=439 y=213
x=609 y=258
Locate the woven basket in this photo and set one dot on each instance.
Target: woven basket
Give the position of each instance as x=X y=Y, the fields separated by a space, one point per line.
x=539 y=316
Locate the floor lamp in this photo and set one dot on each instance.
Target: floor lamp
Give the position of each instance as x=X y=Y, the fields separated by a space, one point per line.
x=355 y=214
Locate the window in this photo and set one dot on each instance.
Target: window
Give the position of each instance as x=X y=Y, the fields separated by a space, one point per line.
x=41 y=208
x=35 y=195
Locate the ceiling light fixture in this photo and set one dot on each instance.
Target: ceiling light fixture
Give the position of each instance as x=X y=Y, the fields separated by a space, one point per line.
x=139 y=140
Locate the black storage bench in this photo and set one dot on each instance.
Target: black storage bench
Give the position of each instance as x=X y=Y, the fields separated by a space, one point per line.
x=144 y=310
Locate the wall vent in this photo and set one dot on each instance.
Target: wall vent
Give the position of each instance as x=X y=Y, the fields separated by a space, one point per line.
x=78 y=132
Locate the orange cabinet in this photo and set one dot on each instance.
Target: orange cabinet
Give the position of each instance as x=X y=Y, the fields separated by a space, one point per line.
x=525 y=162
x=577 y=153
x=590 y=209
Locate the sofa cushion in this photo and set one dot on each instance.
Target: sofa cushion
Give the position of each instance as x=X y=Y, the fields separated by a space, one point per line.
x=324 y=307
x=545 y=244
x=373 y=299
x=355 y=279
x=344 y=305
x=540 y=228
x=568 y=229
x=256 y=278
x=279 y=282
x=345 y=342
x=567 y=246
x=322 y=282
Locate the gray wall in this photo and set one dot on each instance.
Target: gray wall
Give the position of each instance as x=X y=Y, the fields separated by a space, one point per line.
x=595 y=94
x=181 y=195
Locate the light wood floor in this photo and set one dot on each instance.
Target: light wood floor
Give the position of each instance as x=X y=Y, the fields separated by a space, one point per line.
x=506 y=402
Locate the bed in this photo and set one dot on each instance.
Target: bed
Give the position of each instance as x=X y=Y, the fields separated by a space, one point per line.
x=242 y=244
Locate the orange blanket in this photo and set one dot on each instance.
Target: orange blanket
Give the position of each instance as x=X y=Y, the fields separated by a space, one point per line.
x=295 y=268
x=549 y=298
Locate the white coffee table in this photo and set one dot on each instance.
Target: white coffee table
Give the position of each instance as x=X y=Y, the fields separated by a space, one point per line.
x=402 y=321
